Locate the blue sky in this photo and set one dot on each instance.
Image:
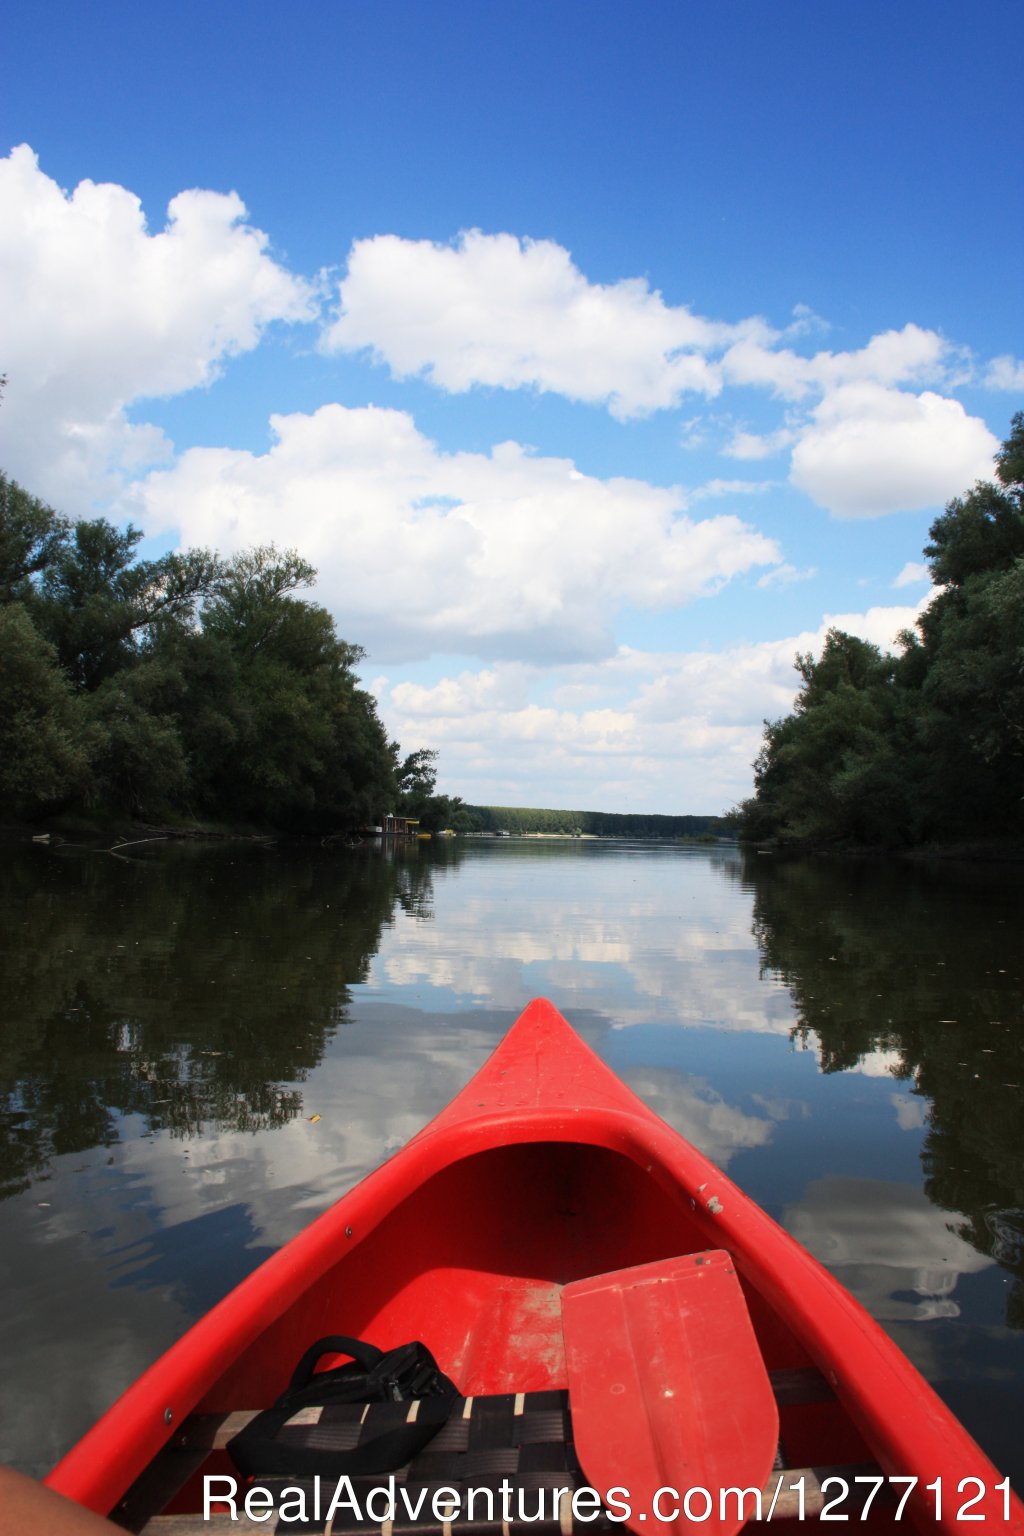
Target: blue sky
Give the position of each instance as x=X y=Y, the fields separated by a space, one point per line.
x=599 y=357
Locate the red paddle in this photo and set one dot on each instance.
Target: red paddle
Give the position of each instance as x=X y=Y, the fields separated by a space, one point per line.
x=668 y=1391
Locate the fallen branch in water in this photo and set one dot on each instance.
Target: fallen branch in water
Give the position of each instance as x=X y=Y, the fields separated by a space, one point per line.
x=133 y=844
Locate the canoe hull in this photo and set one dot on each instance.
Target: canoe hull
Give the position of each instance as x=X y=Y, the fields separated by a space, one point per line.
x=545 y=1170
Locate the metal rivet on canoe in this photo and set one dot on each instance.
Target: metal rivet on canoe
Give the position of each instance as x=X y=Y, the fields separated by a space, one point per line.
x=168 y=1415
x=348 y=1231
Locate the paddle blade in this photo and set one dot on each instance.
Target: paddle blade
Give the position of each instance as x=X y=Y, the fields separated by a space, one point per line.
x=668 y=1390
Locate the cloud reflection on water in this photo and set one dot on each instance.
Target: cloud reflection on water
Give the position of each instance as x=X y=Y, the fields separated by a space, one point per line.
x=889 y=1245
x=677 y=947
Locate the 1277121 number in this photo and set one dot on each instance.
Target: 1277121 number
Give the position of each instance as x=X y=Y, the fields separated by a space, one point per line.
x=861 y=1491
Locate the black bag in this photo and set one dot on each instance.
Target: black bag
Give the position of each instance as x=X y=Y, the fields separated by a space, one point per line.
x=372 y=1375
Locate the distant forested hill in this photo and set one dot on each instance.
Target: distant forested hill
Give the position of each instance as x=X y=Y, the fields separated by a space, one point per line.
x=519 y=819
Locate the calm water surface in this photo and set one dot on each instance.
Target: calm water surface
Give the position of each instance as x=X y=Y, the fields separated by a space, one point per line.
x=846 y=1038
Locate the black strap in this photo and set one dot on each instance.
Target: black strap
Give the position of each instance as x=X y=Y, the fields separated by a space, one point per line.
x=404 y=1374
x=365 y=1355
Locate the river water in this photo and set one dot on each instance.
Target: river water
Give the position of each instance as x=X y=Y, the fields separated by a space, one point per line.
x=202 y=1047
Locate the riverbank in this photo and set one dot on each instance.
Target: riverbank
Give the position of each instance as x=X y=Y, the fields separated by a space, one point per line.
x=86 y=832
x=978 y=850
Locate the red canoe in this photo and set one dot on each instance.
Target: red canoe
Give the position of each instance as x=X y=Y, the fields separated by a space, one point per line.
x=627 y=1331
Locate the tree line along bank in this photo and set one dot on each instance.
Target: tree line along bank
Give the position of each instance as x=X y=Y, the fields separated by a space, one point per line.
x=926 y=745
x=191 y=688
x=186 y=688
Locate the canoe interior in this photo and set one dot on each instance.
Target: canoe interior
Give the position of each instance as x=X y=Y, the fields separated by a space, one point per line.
x=473 y=1263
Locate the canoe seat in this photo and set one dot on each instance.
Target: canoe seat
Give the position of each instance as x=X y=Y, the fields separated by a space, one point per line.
x=525 y=1437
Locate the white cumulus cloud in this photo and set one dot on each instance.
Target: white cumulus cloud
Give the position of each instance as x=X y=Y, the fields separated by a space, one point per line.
x=872 y=450
x=504 y=312
x=754 y=445
x=500 y=311
x=505 y=554
x=97 y=312
x=893 y=357
x=913 y=574
x=677 y=730
x=1005 y=372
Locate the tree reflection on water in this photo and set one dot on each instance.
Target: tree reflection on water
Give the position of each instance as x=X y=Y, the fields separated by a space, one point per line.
x=193 y=987
x=911 y=960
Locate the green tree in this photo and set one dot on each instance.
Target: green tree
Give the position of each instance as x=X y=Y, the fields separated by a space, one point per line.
x=31 y=536
x=184 y=684
x=45 y=748
x=249 y=599
x=983 y=531
x=101 y=607
x=311 y=750
x=968 y=656
x=198 y=683
x=929 y=744
x=418 y=798
x=834 y=770
x=141 y=767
